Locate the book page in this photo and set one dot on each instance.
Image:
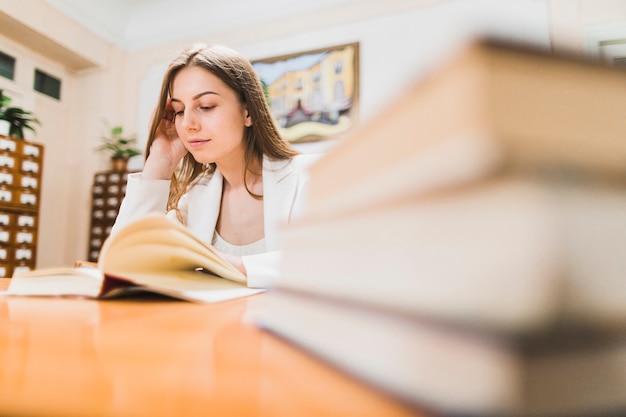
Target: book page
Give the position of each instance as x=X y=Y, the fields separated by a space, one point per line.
x=83 y=281
x=158 y=244
x=189 y=285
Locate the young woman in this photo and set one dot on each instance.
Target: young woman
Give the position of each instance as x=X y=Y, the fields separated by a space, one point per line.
x=216 y=162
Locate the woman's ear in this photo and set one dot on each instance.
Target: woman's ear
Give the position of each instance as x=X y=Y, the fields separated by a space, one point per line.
x=248 y=120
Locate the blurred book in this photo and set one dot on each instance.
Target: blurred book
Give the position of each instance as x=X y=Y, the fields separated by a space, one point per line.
x=490 y=198
x=452 y=370
x=513 y=253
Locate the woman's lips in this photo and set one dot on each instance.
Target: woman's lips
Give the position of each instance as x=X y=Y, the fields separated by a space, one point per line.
x=196 y=143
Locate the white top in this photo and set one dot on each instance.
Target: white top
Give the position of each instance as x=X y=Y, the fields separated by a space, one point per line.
x=285 y=184
x=243 y=250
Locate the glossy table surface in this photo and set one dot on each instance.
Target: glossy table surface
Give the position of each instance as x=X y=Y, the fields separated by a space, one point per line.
x=159 y=357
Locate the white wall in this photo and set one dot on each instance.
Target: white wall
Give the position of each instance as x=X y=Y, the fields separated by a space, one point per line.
x=395 y=47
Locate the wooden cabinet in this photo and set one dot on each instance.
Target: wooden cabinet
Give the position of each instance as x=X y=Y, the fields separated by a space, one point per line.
x=21 y=164
x=109 y=188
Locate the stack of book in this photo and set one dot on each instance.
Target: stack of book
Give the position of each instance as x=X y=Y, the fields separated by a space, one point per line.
x=465 y=249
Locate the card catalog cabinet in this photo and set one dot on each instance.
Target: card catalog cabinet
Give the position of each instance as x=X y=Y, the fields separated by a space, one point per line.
x=109 y=188
x=20 y=185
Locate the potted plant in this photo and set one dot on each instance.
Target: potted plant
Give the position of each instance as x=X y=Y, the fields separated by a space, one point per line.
x=119 y=146
x=13 y=120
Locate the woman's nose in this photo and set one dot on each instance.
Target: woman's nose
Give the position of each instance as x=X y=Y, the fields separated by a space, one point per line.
x=190 y=121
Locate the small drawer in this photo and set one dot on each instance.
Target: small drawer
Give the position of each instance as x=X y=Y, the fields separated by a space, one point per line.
x=93 y=255
x=22 y=237
x=29 y=181
x=98 y=202
x=5 y=237
x=4 y=270
x=30 y=166
x=5 y=254
x=26 y=198
x=7 y=161
x=100 y=179
x=26 y=221
x=6 y=195
x=115 y=178
x=24 y=253
x=8 y=144
x=98 y=190
x=22 y=268
x=6 y=219
x=97 y=231
x=32 y=150
x=7 y=178
x=96 y=242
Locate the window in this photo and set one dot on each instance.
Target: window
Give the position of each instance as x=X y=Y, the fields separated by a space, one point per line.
x=47 y=84
x=338 y=67
x=7 y=66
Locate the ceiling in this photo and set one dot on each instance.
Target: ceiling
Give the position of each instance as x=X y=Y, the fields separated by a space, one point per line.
x=107 y=18
x=139 y=24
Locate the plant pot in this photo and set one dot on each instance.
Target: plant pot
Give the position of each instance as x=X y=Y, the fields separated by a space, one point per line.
x=5 y=127
x=119 y=164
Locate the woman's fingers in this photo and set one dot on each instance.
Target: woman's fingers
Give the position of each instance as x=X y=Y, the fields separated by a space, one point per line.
x=169 y=111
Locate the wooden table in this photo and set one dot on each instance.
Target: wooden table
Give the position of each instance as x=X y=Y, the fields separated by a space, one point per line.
x=158 y=357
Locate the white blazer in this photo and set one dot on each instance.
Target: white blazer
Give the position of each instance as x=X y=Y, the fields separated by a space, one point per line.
x=284 y=198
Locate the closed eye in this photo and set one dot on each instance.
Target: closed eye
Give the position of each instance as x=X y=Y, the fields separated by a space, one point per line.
x=179 y=113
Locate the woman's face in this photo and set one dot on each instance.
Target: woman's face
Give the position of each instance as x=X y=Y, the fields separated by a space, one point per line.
x=209 y=118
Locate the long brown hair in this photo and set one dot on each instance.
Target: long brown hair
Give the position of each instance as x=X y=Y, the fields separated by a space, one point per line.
x=261 y=139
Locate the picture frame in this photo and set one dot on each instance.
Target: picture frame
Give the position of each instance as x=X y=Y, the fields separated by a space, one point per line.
x=313 y=95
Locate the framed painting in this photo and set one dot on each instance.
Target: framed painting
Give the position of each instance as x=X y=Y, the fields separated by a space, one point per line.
x=313 y=95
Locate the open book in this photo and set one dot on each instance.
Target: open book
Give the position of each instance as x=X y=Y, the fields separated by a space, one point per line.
x=153 y=254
